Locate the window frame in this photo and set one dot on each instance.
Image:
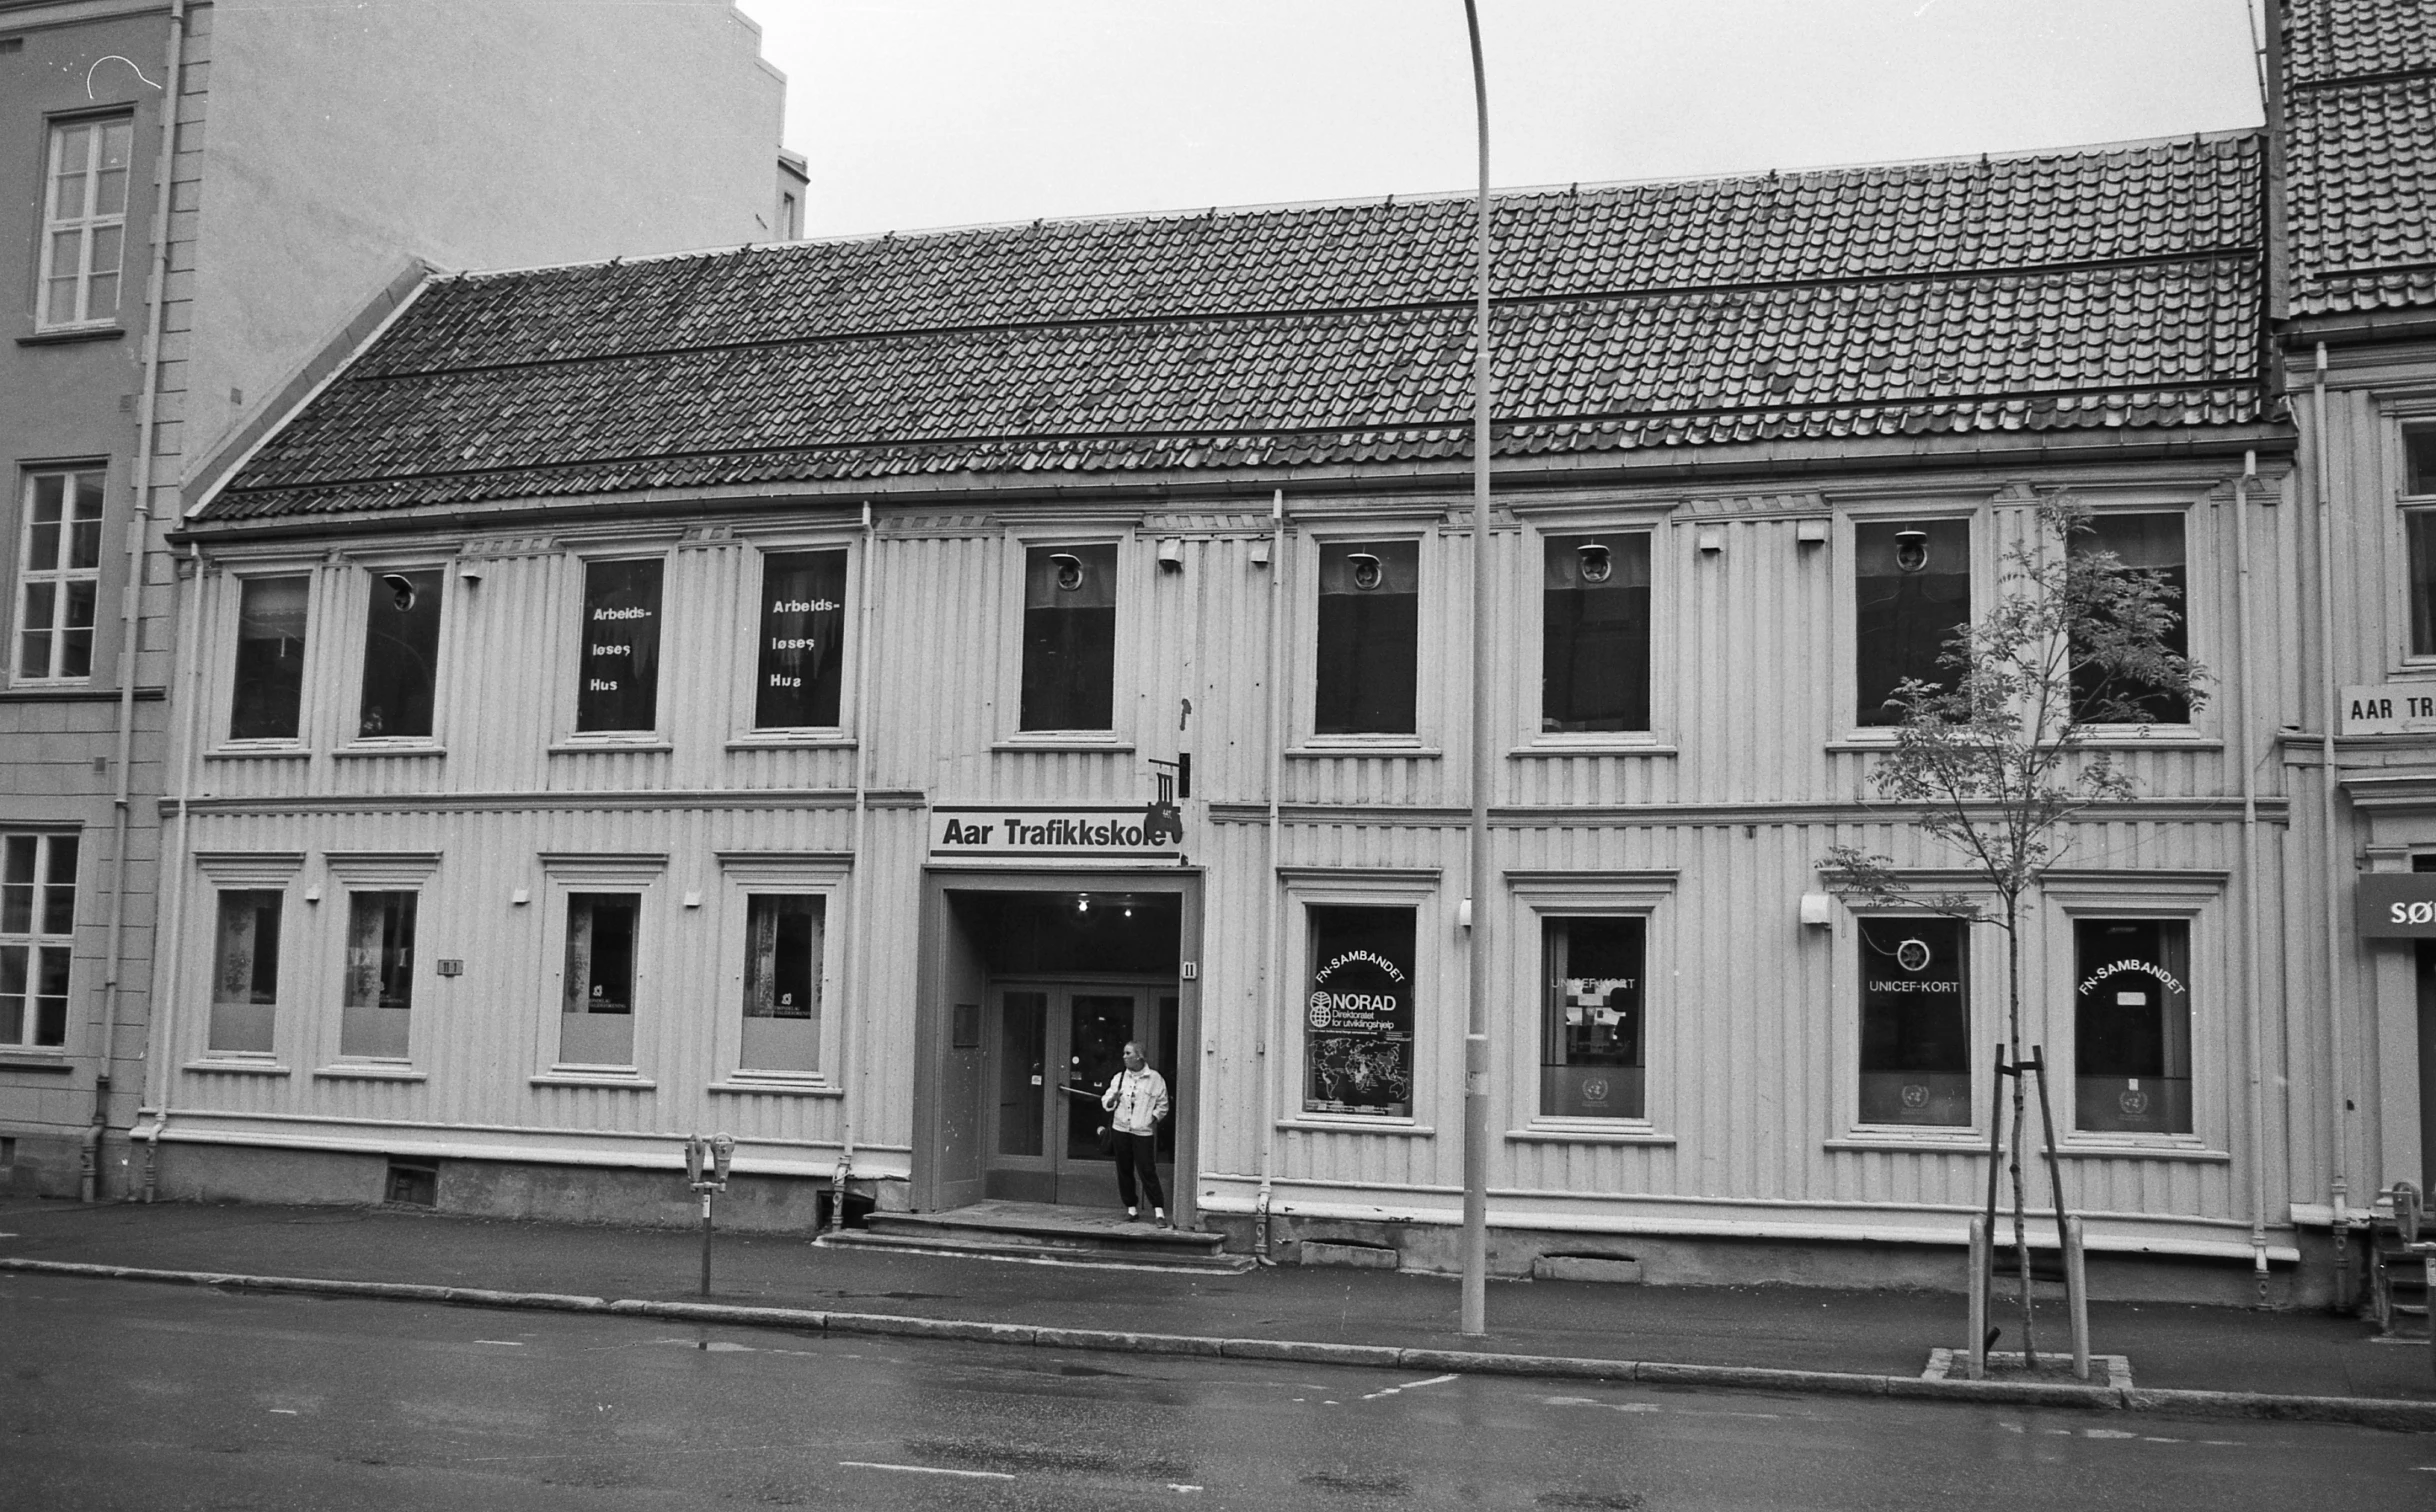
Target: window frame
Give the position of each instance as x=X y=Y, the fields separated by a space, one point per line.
x=743 y=875
x=2200 y=723
x=1978 y=516
x=251 y=871
x=1532 y=898
x=2401 y=421
x=1418 y=889
x=643 y=874
x=2196 y=899
x=1128 y=672
x=1431 y=700
x=35 y=939
x=352 y=872
x=570 y=679
x=227 y=617
x=354 y=633
x=23 y=574
x=50 y=224
x=1980 y=960
x=747 y=571
x=1531 y=738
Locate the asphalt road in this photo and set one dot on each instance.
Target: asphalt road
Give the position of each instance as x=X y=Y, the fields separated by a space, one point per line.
x=126 y=1395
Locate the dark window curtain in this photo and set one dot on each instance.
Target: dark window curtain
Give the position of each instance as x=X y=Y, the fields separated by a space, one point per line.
x=1594 y=668
x=1369 y=638
x=1904 y=616
x=1069 y=638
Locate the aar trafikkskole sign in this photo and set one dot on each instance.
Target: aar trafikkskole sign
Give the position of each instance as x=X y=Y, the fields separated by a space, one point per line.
x=1069 y=833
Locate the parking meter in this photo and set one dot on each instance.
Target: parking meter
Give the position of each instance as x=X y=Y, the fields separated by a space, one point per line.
x=706 y=1167
x=723 y=1150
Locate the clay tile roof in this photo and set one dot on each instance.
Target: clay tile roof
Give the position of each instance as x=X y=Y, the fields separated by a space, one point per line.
x=2095 y=289
x=2360 y=90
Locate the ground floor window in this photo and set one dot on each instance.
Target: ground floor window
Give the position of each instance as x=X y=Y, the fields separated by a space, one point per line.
x=1358 y=1012
x=245 y=971
x=379 y=998
x=1915 y=1022
x=37 y=938
x=784 y=935
x=596 y=1016
x=2132 y=1025
x=1591 y=1062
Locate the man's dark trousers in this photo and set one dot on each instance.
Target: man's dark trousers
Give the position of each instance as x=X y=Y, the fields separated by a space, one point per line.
x=1139 y=1152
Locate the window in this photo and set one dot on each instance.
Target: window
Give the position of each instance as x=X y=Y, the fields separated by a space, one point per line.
x=1069 y=637
x=1594 y=634
x=2150 y=544
x=2419 y=525
x=1369 y=637
x=1358 y=1015
x=782 y=965
x=621 y=661
x=379 y=997
x=596 y=1013
x=270 y=659
x=1591 y=1063
x=803 y=622
x=37 y=938
x=401 y=655
x=1911 y=593
x=2132 y=1025
x=1915 y=1021
x=84 y=224
x=59 y=575
x=245 y=972
x=790 y=216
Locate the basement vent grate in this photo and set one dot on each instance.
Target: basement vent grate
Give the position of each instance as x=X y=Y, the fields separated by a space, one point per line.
x=415 y=1183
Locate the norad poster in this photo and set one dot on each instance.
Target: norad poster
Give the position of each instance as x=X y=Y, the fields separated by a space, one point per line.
x=1358 y=1012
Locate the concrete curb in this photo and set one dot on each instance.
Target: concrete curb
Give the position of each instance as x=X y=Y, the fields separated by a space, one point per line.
x=2394 y=1413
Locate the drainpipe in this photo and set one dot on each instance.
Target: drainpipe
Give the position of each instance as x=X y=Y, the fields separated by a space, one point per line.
x=139 y=530
x=857 y=952
x=2242 y=728
x=1273 y=970
x=160 y=1055
x=2327 y=694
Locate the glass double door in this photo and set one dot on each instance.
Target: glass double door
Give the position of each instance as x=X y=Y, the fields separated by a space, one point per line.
x=1054 y=1048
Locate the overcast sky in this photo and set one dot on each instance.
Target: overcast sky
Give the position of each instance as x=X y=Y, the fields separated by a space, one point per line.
x=922 y=113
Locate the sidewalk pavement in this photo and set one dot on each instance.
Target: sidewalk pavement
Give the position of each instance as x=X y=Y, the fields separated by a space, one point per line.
x=1721 y=1334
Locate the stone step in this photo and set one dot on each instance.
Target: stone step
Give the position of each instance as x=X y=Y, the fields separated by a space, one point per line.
x=1014 y=1247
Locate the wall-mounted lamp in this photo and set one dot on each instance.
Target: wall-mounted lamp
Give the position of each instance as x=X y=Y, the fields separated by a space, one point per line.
x=1911 y=550
x=313 y=893
x=521 y=896
x=1368 y=571
x=1818 y=910
x=1810 y=532
x=1711 y=539
x=1069 y=570
x=470 y=572
x=1598 y=564
x=1171 y=555
x=693 y=900
x=1260 y=552
x=401 y=590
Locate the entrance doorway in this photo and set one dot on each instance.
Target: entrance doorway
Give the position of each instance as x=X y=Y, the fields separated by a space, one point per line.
x=1053 y=1048
x=1035 y=984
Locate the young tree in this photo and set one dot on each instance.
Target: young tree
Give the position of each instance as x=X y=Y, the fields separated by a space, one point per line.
x=1994 y=761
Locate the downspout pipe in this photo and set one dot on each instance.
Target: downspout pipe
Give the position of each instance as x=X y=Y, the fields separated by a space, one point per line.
x=160 y=1055
x=859 y=951
x=2337 y=1046
x=131 y=594
x=2252 y=983
x=1273 y=967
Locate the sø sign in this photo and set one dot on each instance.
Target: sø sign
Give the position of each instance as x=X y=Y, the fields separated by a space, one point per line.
x=2397 y=906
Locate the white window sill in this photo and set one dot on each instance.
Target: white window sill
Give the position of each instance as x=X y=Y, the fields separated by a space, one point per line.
x=231 y=1066
x=1333 y=747
x=593 y=1076
x=2165 y=1147
x=370 y=1071
x=268 y=750
x=1623 y=1131
x=1592 y=745
x=2153 y=738
x=1063 y=740
x=611 y=745
x=1954 y=1140
x=49 y=684
x=746 y=1084
x=385 y=748
x=793 y=740
x=1355 y=1123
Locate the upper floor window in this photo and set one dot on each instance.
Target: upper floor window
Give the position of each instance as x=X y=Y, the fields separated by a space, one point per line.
x=803 y=623
x=621 y=661
x=37 y=938
x=2150 y=544
x=401 y=655
x=2419 y=526
x=269 y=691
x=1369 y=637
x=84 y=221
x=1911 y=593
x=59 y=574
x=1594 y=617
x=1069 y=637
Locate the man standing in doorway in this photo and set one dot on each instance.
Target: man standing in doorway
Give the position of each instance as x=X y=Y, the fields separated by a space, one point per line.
x=1136 y=1100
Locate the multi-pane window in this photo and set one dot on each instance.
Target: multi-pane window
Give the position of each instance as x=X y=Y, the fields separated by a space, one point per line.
x=245 y=971
x=84 y=223
x=620 y=688
x=1591 y=1063
x=1911 y=593
x=401 y=655
x=379 y=988
x=2132 y=1025
x=59 y=574
x=269 y=690
x=803 y=623
x=1369 y=637
x=2150 y=545
x=37 y=937
x=1594 y=619
x=2419 y=526
x=1915 y=1022
x=782 y=960
x=1358 y=1011
x=1069 y=637
x=596 y=1013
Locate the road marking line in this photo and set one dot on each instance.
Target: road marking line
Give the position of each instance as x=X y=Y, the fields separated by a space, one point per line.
x=925 y=1470
x=1408 y=1386
x=1180 y=1486
x=285 y=1411
x=505 y=1343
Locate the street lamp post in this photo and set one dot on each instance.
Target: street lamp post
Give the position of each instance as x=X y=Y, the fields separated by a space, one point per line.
x=1476 y=1014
